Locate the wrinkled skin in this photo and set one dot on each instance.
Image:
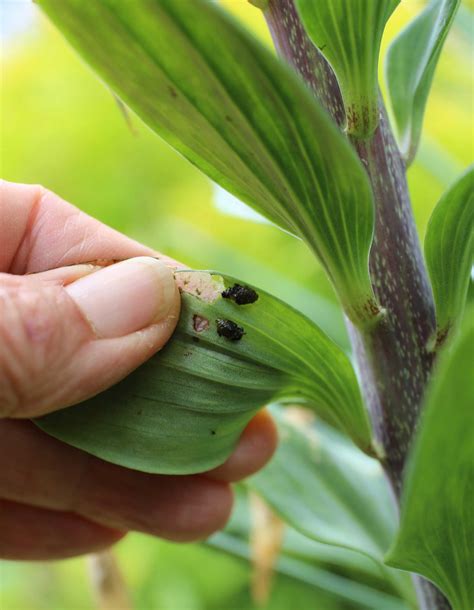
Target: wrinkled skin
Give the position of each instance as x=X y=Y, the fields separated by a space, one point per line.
x=57 y=501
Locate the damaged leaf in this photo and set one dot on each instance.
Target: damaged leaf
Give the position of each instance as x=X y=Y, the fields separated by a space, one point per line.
x=242 y=295
x=183 y=411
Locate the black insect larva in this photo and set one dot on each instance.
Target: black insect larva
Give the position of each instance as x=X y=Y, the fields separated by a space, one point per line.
x=230 y=330
x=242 y=295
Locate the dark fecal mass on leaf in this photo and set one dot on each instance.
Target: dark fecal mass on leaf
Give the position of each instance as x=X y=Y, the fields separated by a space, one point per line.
x=230 y=330
x=242 y=295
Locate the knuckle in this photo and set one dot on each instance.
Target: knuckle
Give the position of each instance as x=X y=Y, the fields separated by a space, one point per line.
x=32 y=344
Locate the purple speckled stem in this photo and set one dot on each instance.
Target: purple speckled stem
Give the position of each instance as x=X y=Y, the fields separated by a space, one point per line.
x=292 y=43
x=393 y=361
x=392 y=358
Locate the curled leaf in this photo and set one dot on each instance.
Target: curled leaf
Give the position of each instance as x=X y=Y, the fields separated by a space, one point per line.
x=183 y=411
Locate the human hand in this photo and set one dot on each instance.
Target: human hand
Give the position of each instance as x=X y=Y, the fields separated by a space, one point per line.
x=68 y=330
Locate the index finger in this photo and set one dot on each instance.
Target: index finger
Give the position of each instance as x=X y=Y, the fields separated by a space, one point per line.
x=40 y=231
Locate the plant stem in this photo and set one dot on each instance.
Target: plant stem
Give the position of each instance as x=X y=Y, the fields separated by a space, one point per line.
x=292 y=43
x=392 y=357
x=429 y=597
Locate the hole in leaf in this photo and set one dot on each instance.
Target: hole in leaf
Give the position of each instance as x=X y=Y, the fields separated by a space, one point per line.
x=200 y=323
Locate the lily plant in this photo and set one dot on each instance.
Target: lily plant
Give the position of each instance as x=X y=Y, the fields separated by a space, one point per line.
x=303 y=137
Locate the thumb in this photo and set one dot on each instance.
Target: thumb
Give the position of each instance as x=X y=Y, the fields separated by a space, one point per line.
x=62 y=344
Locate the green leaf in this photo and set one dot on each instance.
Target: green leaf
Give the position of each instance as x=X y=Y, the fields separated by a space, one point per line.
x=184 y=410
x=327 y=489
x=410 y=65
x=238 y=113
x=437 y=521
x=344 y=589
x=245 y=518
x=348 y=34
x=449 y=251
x=339 y=572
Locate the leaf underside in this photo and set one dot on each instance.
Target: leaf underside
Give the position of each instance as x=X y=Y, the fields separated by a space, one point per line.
x=410 y=65
x=437 y=521
x=183 y=411
x=233 y=109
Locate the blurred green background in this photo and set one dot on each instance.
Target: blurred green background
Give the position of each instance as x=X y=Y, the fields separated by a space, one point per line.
x=62 y=128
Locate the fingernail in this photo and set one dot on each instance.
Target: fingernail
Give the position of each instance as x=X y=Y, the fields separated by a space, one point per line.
x=125 y=297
